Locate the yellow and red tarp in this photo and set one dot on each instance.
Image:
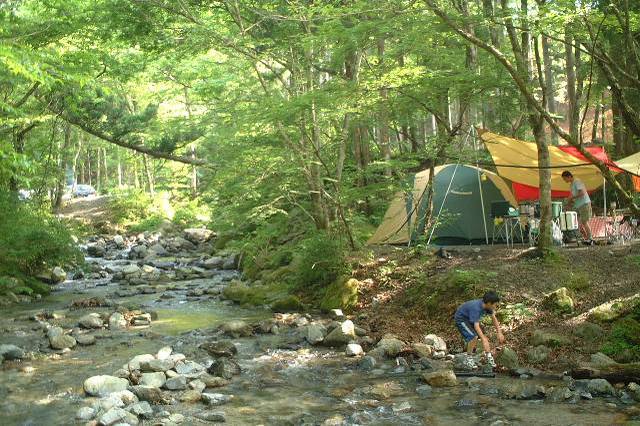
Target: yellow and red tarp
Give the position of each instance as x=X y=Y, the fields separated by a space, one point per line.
x=517 y=161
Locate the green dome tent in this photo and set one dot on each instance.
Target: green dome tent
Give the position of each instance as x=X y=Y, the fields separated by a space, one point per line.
x=457 y=195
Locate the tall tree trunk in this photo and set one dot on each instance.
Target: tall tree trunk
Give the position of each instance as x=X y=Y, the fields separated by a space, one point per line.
x=76 y=157
x=63 y=164
x=192 y=148
x=98 y=172
x=119 y=168
x=383 y=115
x=105 y=171
x=549 y=83
x=148 y=174
x=596 y=119
x=570 y=69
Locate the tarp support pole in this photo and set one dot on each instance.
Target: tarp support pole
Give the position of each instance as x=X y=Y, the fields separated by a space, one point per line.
x=444 y=200
x=484 y=216
x=604 y=198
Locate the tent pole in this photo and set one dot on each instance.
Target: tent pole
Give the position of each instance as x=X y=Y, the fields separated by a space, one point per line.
x=484 y=217
x=604 y=198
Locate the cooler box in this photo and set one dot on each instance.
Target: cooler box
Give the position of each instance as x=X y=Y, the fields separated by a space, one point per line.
x=568 y=221
x=556 y=209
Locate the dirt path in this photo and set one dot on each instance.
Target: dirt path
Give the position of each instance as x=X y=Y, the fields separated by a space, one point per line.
x=90 y=210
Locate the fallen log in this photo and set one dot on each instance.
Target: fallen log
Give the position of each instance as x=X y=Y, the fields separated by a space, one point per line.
x=618 y=373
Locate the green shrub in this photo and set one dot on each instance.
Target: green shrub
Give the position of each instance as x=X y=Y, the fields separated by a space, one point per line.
x=320 y=260
x=31 y=239
x=623 y=343
x=287 y=304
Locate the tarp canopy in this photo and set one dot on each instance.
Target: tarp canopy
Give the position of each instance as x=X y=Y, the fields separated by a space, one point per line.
x=517 y=161
x=630 y=164
x=457 y=193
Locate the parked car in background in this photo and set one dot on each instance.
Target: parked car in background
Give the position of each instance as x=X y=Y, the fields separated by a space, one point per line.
x=84 y=191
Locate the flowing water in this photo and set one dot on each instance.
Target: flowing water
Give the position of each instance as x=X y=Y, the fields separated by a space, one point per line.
x=281 y=382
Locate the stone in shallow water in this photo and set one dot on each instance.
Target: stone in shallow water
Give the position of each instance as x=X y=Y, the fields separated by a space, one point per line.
x=135 y=362
x=220 y=348
x=164 y=353
x=424 y=391
x=85 y=414
x=118 y=415
x=104 y=385
x=11 y=352
x=188 y=368
x=62 y=341
x=91 y=321
x=117 y=321
x=86 y=340
x=213 y=381
x=441 y=378
x=354 y=349
x=225 y=368
x=197 y=385
x=367 y=363
x=216 y=398
x=212 y=416
x=341 y=335
x=156 y=365
x=314 y=333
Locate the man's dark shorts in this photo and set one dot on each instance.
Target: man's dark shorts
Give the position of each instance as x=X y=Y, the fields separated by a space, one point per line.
x=466 y=329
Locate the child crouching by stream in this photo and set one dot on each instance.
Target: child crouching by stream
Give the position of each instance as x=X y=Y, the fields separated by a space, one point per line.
x=467 y=319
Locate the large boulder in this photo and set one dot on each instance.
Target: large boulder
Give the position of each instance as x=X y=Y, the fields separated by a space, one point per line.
x=464 y=362
x=91 y=321
x=600 y=387
x=104 y=385
x=559 y=300
x=197 y=235
x=589 y=331
x=440 y=378
x=236 y=328
x=341 y=335
x=508 y=358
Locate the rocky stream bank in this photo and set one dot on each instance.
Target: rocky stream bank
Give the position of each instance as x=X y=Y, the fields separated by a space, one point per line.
x=145 y=336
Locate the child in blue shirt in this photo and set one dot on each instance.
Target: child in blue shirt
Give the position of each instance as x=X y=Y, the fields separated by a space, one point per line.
x=467 y=319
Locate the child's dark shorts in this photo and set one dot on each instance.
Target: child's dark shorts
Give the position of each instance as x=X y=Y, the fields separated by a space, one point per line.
x=466 y=329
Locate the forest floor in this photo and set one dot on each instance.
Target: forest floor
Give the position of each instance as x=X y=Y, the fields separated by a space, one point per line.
x=411 y=293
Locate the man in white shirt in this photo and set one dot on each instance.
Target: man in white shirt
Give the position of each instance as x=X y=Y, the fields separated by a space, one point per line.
x=581 y=203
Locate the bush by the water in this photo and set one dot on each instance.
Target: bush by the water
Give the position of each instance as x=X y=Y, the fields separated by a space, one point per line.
x=623 y=343
x=319 y=261
x=31 y=240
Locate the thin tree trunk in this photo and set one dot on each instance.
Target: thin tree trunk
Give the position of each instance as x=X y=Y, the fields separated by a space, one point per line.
x=149 y=176
x=119 y=168
x=383 y=115
x=549 y=83
x=596 y=119
x=98 y=173
x=62 y=168
x=570 y=69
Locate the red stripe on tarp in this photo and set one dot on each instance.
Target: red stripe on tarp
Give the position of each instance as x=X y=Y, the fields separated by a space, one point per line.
x=596 y=151
x=524 y=192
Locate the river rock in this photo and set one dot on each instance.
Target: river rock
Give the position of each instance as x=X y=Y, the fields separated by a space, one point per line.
x=523 y=390
x=118 y=416
x=62 y=341
x=538 y=354
x=600 y=387
x=85 y=414
x=117 y=321
x=197 y=235
x=216 y=398
x=225 y=368
x=341 y=335
x=141 y=409
x=58 y=275
x=137 y=360
x=220 y=348
x=189 y=368
x=236 y=328
x=155 y=380
x=214 y=262
x=436 y=342
x=559 y=300
x=165 y=353
x=176 y=383
x=424 y=391
x=354 y=349
x=157 y=365
x=390 y=345
x=212 y=381
x=96 y=250
x=440 y=378
x=131 y=269
x=211 y=416
x=508 y=359
x=85 y=339
x=104 y=385
x=91 y=321
x=367 y=363
x=634 y=389
x=230 y=263
x=150 y=394
x=541 y=337
x=118 y=240
x=11 y=352
x=464 y=362
x=314 y=333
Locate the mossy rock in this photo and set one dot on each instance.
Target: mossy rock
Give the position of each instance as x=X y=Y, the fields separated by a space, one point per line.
x=615 y=309
x=236 y=291
x=287 y=304
x=342 y=294
x=589 y=331
x=559 y=300
x=548 y=339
